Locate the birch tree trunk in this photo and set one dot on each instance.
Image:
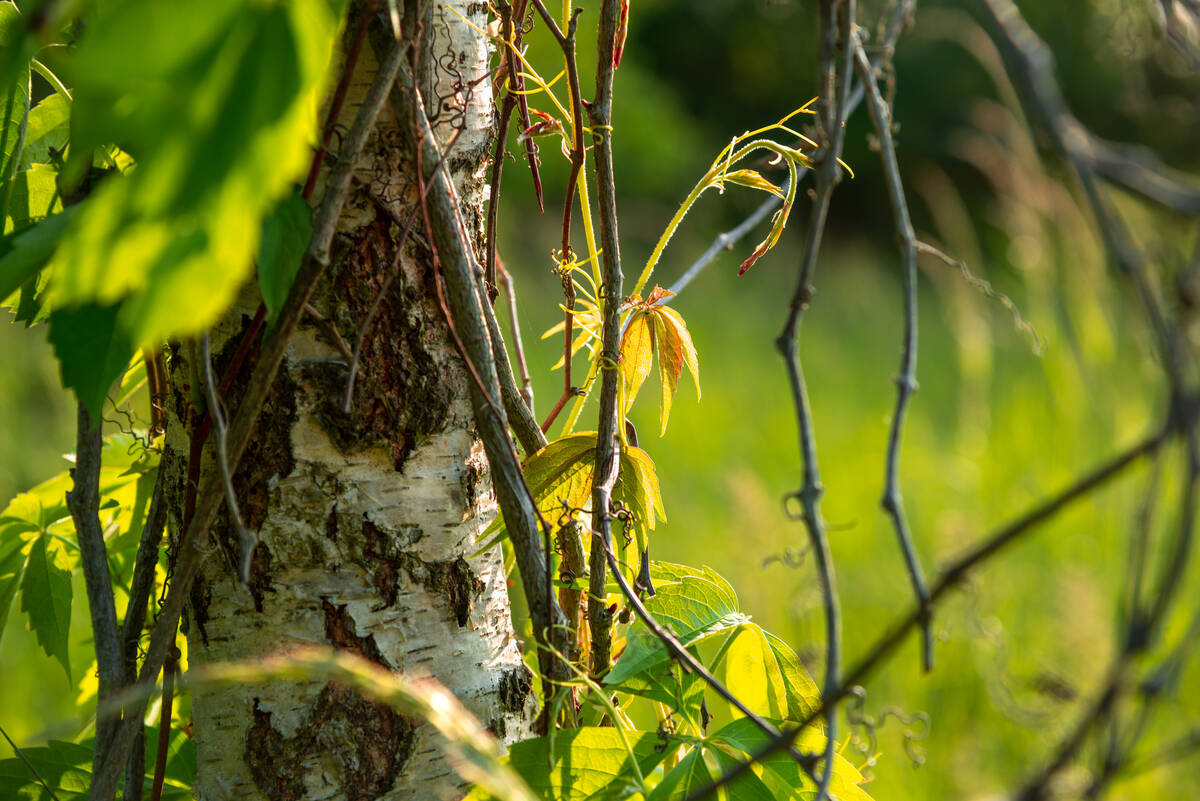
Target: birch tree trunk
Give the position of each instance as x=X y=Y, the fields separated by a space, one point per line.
x=368 y=520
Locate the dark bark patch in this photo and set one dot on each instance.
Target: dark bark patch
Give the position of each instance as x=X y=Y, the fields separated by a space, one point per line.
x=363 y=745
x=498 y=727
x=268 y=455
x=331 y=524
x=401 y=394
x=271 y=760
x=453 y=578
x=260 y=574
x=376 y=556
x=515 y=686
x=339 y=631
x=199 y=597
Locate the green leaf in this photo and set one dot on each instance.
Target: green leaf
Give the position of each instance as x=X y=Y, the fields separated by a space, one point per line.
x=12 y=568
x=49 y=128
x=700 y=768
x=590 y=763
x=781 y=772
x=215 y=100
x=562 y=472
x=92 y=351
x=14 y=110
x=46 y=598
x=766 y=675
x=33 y=196
x=692 y=608
x=285 y=237
x=677 y=690
x=25 y=252
x=66 y=768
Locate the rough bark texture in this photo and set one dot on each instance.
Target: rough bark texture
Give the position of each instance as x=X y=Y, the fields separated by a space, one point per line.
x=367 y=520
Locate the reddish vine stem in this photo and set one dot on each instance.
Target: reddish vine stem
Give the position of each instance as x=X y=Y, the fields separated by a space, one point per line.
x=335 y=106
x=516 y=84
x=566 y=43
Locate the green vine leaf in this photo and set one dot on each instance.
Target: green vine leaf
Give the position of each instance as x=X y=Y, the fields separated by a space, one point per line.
x=780 y=772
x=46 y=597
x=93 y=351
x=692 y=607
x=562 y=473
x=215 y=102
x=766 y=675
x=285 y=236
x=701 y=767
x=590 y=763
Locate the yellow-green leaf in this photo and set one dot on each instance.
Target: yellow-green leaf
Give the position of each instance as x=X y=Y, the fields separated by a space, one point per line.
x=670 y=365
x=754 y=180
x=637 y=353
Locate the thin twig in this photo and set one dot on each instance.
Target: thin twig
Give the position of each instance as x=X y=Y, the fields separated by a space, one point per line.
x=335 y=337
x=247 y=539
x=984 y=286
x=84 y=502
x=510 y=293
x=832 y=109
x=953 y=576
x=906 y=382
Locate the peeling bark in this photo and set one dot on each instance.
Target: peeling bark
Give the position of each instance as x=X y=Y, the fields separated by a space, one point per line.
x=367 y=520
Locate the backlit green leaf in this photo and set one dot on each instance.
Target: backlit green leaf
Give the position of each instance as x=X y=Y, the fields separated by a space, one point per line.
x=92 y=351
x=587 y=763
x=285 y=237
x=46 y=598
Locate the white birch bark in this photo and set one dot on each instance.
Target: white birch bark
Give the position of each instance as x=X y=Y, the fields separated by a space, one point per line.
x=368 y=521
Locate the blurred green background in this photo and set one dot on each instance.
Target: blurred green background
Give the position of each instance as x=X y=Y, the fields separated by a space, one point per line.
x=995 y=426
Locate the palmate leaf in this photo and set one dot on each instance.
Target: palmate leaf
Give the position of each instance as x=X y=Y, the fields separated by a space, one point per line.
x=657 y=328
x=780 y=772
x=692 y=607
x=562 y=473
x=590 y=763
x=700 y=768
x=766 y=675
x=67 y=769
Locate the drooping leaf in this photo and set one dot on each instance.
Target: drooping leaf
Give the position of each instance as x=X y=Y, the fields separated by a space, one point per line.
x=754 y=180
x=637 y=352
x=670 y=365
x=692 y=608
x=12 y=568
x=562 y=472
x=590 y=763
x=92 y=350
x=678 y=329
x=46 y=598
x=285 y=236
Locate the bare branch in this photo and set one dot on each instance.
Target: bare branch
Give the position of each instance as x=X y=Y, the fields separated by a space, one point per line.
x=906 y=382
x=84 y=502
